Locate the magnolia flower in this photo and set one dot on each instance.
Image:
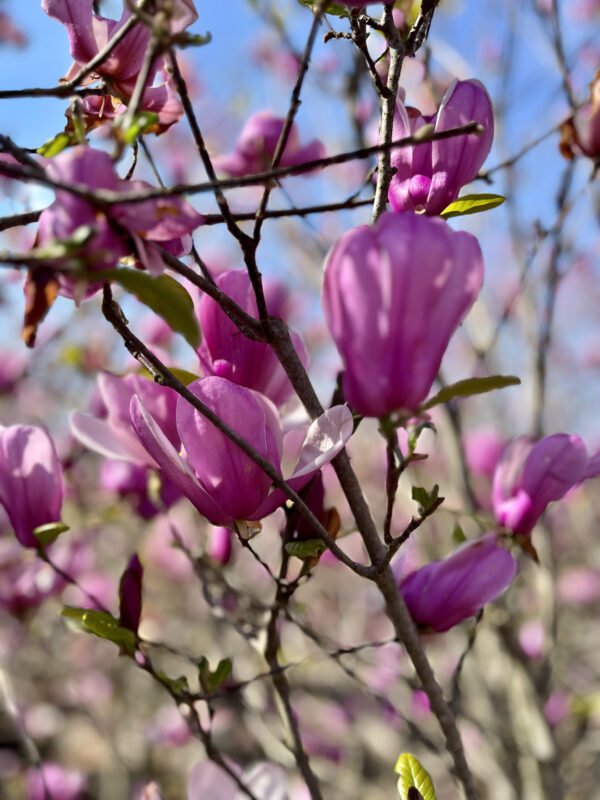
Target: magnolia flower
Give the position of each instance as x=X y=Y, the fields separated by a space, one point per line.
x=580 y=135
x=226 y=352
x=164 y=221
x=429 y=176
x=224 y=483
x=443 y=593
x=393 y=295
x=89 y=33
x=532 y=474
x=31 y=482
x=256 y=146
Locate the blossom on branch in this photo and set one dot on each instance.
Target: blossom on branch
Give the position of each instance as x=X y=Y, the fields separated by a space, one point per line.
x=393 y=295
x=530 y=475
x=164 y=221
x=226 y=352
x=443 y=593
x=430 y=175
x=257 y=143
x=89 y=34
x=219 y=478
x=31 y=482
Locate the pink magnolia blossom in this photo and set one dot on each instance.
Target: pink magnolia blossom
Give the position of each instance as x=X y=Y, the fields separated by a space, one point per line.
x=226 y=352
x=255 y=148
x=31 y=482
x=530 y=475
x=581 y=134
x=164 y=221
x=223 y=482
x=393 y=295
x=443 y=593
x=88 y=35
x=429 y=176
x=114 y=436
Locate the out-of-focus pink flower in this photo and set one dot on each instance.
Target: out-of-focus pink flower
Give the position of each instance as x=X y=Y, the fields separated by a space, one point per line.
x=25 y=580
x=429 y=176
x=31 y=483
x=208 y=781
x=578 y=586
x=169 y=727
x=256 y=146
x=482 y=451
x=226 y=352
x=531 y=638
x=361 y=3
x=88 y=35
x=581 y=134
x=9 y=32
x=443 y=593
x=164 y=221
x=532 y=474
x=52 y=782
x=558 y=707
x=114 y=435
x=223 y=482
x=393 y=295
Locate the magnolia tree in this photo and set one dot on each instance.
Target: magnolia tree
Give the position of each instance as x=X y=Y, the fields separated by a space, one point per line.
x=260 y=542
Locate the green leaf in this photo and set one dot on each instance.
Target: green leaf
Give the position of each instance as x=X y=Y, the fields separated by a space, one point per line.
x=331 y=8
x=183 y=375
x=58 y=143
x=211 y=680
x=101 y=624
x=472 y=204
x=142 y=122
x=469 y=387
x=458 y=535
x=310 y=548
x=413 y=774
x=48 y=533
x=424 y=498
x=163 y=294
x=177 y=686
x=64 y=248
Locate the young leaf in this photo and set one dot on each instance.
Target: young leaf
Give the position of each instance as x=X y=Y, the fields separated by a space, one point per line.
x=413 y=774
x=472 y=204
x=424 y=498
x=58 y=143
x=211 y=680
x=310 y=548
x=163 y=294
x=103 y=625
x=175 y=685
x=48 y=533
x=331 y=8
x=142 y=123
x=469 y=387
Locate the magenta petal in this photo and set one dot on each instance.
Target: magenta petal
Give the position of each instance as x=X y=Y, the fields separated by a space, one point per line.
x=76 y=16
x=173 y=465
x=383 y=286
x=529 y=476
x=31 y=484
x=109 y=440
x=442 y=593
x=160 y=219
x=236 y=483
